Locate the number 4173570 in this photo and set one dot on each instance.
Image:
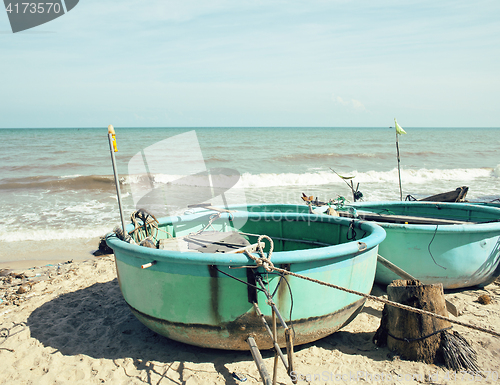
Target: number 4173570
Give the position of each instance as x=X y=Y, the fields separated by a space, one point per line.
x=33 y=8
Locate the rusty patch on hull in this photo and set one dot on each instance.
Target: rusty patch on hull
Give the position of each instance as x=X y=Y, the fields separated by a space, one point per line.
x=233 y=335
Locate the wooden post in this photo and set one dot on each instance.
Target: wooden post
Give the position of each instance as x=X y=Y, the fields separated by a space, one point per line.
x=415 y=336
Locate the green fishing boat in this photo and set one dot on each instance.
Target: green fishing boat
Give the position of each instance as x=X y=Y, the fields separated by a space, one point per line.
x=198 y=289
x=456 y=244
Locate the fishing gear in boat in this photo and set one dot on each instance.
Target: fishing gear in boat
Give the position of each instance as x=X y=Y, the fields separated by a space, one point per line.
x=356 y=194
x=146 y=229
x=335 y=206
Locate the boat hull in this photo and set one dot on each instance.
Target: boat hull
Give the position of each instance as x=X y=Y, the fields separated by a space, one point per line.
x=207 y=299
x=458 y=256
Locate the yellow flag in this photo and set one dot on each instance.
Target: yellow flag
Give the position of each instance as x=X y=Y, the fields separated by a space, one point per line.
x=399 y=130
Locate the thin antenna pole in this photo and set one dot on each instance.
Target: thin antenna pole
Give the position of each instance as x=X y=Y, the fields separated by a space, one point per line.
x=399 y=168
x=113 y=149
x=351 y=186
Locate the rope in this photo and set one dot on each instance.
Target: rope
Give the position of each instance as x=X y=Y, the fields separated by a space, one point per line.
x=351 y=237
x=429 y=248
x=269 y=267
x=419 y=338
x=263 y=261
x=213 y=217
x=148 y=228
x=239 y=280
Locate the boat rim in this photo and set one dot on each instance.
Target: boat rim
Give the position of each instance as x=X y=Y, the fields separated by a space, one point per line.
x=470 y=228
x=374 y=238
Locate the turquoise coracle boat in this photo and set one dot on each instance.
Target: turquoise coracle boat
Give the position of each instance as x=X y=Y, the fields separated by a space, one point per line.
x=206 y=299
x=456 y=244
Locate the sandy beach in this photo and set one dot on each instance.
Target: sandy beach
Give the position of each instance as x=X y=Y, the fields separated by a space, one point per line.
x=68 y=323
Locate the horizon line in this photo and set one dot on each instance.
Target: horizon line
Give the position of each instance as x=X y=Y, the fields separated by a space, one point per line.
x=194 y=127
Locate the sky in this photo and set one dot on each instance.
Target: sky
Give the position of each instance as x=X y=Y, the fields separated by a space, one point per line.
x=190 y=63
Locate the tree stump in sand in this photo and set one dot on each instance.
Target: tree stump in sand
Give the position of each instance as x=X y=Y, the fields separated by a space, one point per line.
x=414 y=336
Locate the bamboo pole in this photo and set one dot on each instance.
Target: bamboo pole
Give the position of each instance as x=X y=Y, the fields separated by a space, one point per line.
x=399 y=168
x=269 y=331
x=403 y=274
x=264 y=374
x=275 y=341
x=113 y=149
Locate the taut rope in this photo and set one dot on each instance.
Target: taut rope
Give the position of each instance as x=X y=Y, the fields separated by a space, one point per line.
x=266 y=263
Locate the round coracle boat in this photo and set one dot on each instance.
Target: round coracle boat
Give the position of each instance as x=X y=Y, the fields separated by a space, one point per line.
x=194 y=284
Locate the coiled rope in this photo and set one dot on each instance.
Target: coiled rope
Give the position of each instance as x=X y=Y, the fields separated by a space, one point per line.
x=145 y=226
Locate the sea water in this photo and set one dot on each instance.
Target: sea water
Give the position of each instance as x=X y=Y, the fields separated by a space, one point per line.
x=57 y=193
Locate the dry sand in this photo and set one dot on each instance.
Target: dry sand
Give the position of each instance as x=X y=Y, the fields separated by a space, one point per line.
x=72 y=326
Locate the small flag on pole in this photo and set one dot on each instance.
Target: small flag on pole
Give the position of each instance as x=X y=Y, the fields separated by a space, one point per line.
x=399 y=130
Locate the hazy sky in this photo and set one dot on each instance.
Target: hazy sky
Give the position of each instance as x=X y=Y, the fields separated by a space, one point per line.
x=255 y=63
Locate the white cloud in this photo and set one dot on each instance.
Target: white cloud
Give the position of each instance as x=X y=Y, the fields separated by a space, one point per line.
x=353 y=103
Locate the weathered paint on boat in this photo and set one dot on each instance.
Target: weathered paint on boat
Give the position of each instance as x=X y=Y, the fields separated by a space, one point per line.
x=487 y=204
x=458 y=255
x=187 y=297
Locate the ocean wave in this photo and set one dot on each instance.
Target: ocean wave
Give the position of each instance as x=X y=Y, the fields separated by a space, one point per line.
x=215 y=159
x=42 y=166
x=107 y=183
x=76 y=182
x=420 y=153
x=496 y=171
x=332 y=155
x=420 y=176
x=248 y=180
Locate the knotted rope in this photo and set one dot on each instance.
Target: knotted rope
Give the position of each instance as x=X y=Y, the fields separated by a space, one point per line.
x=262 y=260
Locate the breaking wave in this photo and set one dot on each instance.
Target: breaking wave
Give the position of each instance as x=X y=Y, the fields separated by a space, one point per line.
x=74 y=182
x=247 y=180
x=420 y=176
